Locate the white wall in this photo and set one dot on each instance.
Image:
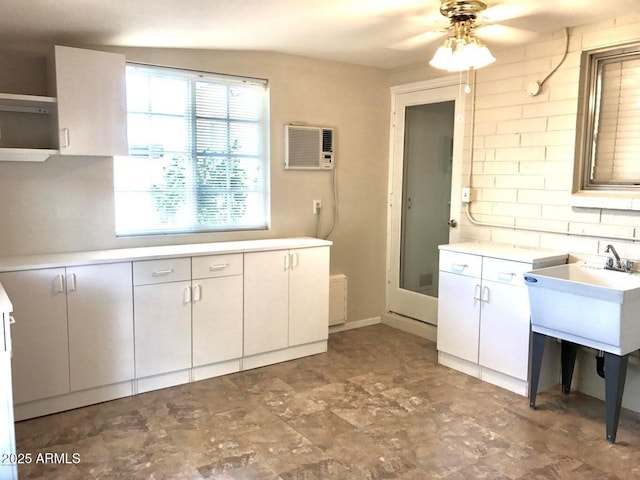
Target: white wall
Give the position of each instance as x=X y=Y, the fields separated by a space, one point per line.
x=523 y=160
x=66 y=204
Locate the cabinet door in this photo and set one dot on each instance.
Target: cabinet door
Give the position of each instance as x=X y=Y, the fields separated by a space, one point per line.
x=217 y=320
x=458 y=316
x=90 y=88
x=504 y=329
x=162 y=316
x=266 y=300
x=308 y=295
x=40 y=343
x=8 y=469
x=100 y=311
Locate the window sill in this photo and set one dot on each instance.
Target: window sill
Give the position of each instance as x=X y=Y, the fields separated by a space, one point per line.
x=611 y=200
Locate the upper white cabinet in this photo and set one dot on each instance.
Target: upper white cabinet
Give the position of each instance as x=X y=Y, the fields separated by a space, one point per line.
x=84 y=114
x=90 y=88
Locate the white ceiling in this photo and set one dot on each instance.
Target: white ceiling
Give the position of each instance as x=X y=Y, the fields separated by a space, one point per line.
x=380 y=33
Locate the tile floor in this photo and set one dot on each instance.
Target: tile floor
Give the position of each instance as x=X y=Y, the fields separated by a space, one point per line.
x=376 y=406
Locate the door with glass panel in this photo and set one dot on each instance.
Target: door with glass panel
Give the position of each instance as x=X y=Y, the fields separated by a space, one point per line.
x=425 y=189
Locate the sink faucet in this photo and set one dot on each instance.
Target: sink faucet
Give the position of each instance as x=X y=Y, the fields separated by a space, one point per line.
x=618 y=267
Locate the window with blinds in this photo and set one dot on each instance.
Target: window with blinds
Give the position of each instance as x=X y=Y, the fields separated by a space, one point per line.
x=613 y=153
x=198 y=153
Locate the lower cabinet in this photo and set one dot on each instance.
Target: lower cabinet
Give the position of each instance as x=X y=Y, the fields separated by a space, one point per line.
x=217 y=311
x=286 y=299
x=162 y=315
x=188 y=314
x=91 y=333
x=266 y=301
x=483 y=313
x=40 y=363
x=162 y=318
x=73 y=330
x=100 y=317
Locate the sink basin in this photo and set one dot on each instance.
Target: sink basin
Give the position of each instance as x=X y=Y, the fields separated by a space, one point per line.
x=586 y=305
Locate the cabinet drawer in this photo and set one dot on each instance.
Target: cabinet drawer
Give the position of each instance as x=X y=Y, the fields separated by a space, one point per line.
x=147 y=272
x=217 y=266
x=461 y=263
x=505 y=271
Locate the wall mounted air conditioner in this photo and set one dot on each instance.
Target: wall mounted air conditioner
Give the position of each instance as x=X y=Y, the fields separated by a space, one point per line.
x=308 y=148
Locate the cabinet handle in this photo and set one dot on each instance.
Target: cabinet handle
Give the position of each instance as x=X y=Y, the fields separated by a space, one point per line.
x=59 y=284
x=71 y=283
x=219 y=267
x=485 y=294
x=286 y=262
x=65 y=137
x=197 y=293
x=9 y=344
x=294 y=260
x=458 y=267
x=476 y=292
x=162 y=273
x=187 y=294
x=506 y=276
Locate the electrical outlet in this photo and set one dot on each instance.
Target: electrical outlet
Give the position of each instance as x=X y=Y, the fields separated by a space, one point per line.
x=317 y=206
x=466 y=194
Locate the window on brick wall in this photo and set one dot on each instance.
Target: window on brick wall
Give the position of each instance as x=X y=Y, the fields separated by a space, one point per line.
x=608 y=142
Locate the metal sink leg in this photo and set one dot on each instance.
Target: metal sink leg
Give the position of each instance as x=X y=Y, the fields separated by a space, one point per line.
x=615 y=369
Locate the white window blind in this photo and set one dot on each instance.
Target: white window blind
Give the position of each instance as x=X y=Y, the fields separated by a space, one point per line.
x=198 y=153
x=616 y=148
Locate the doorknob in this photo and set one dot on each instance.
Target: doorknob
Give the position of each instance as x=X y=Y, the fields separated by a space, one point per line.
x=452 y=223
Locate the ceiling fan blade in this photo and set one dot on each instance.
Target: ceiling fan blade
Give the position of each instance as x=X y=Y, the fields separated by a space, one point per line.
x=505 y=33
x=509 y=10
x=418 y=40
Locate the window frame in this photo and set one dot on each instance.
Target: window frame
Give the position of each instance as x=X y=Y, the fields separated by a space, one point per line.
x=193 y=156
x=591 y=65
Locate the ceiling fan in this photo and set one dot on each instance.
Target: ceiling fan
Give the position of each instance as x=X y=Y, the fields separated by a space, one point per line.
x=462 y=50
x=464 y=22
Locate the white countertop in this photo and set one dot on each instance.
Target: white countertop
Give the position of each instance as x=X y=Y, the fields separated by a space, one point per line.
x=506 y=252
x=52 y=260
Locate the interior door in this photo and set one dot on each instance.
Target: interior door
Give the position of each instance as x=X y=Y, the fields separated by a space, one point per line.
x=427 y=135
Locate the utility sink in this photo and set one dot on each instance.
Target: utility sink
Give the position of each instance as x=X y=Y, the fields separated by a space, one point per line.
x=586 y=305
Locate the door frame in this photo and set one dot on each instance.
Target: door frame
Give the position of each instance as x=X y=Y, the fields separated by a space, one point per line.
x=396 y=161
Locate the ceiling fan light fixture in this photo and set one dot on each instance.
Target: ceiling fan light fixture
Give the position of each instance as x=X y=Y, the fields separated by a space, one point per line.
x=443 y=57
x=462 y=50
x=457 y=55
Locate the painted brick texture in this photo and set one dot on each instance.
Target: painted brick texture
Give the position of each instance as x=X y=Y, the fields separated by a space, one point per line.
x=524 y=148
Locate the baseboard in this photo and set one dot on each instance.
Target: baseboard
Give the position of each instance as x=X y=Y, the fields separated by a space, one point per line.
x=355 y=324
x=410 y=325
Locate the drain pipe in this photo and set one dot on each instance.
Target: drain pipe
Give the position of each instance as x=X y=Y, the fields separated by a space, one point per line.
x=600 y=363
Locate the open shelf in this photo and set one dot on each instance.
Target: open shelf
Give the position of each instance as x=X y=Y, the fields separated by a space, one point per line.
x=27 y=103
x=26 y=154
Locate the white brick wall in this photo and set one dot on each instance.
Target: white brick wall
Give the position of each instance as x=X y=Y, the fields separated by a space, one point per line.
x=523 y=157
